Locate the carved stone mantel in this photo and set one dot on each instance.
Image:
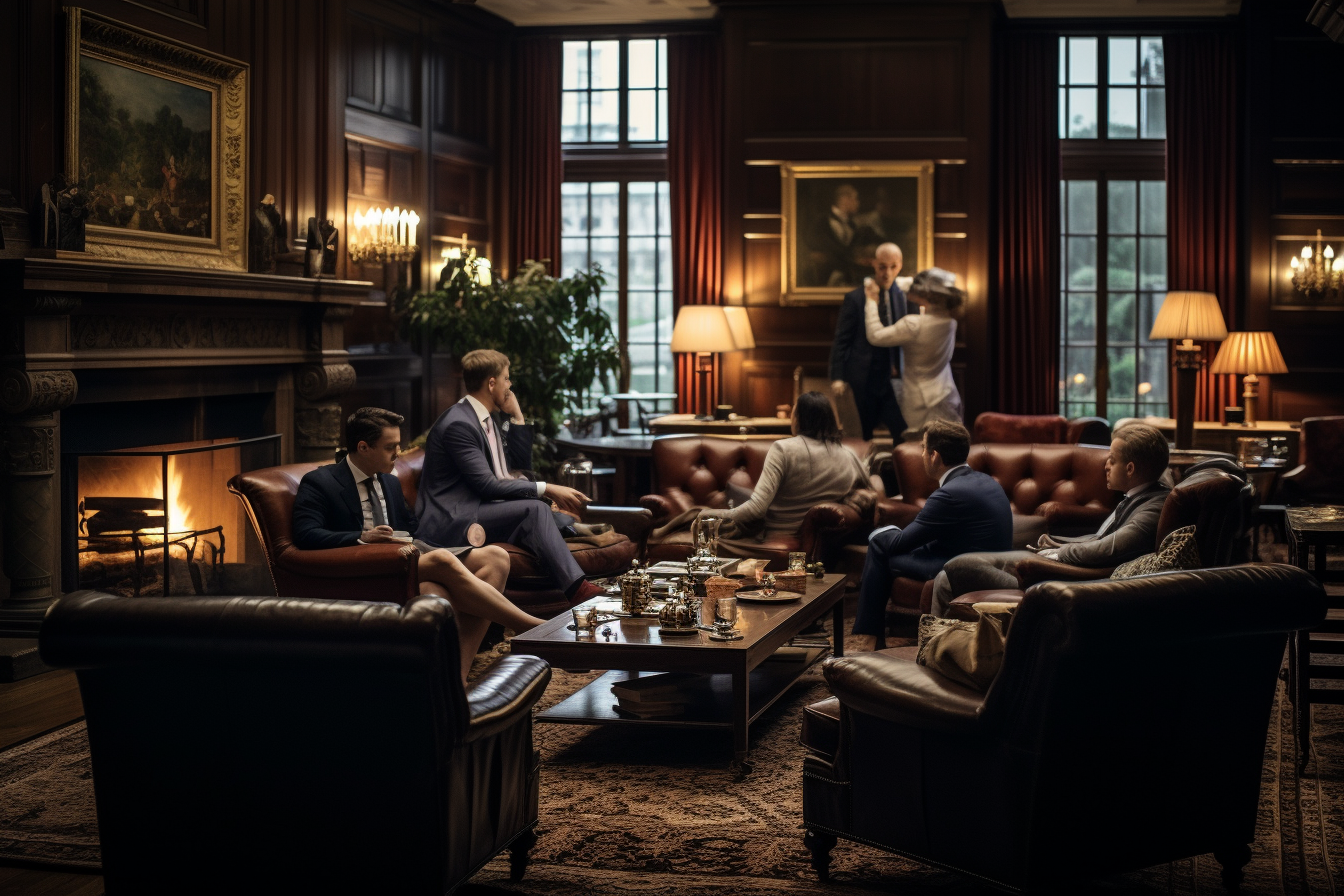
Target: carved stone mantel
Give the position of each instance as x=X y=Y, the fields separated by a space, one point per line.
x=74 y=329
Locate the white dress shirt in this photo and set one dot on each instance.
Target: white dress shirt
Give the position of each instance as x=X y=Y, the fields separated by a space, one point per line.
x=368 y=487
x=943 y=478
x=500 y=464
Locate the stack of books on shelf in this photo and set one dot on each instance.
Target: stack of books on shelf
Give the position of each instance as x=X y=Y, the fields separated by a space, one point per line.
x=661 y=696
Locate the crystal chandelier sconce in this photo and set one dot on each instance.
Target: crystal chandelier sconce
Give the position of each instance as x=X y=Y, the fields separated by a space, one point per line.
x=478 y=266
x=1318 y=273
x=384 y=234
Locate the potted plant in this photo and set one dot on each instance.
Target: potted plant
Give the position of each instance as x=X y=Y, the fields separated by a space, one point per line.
x=558 y=338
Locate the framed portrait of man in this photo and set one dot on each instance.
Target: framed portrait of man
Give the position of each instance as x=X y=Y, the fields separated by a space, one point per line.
x=836 y=214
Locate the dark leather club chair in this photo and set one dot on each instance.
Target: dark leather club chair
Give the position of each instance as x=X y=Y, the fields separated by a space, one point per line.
x=1319 y=479
x=1125 y=728
x=280 y=746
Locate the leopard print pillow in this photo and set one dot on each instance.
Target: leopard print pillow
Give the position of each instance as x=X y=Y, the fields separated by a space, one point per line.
x=1178 y=551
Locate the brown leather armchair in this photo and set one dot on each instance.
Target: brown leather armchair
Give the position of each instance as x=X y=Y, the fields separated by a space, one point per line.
x=1125 y=728
x=1319 y=479
x=389 y=572
x=691 y=471
x=259 y=745
x=1214 y=496
x=991 y=426
x=1060 y=489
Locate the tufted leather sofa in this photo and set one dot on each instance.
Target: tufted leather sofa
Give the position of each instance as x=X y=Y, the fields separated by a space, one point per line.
x=386 y=572
x=991 y=426
x=693 y=471
x=296 y=745
x=1087 y=757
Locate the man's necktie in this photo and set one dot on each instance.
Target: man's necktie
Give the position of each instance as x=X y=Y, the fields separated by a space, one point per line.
x=379 y=518
x=1114 y=521
x=884 y=315
x=496 y=455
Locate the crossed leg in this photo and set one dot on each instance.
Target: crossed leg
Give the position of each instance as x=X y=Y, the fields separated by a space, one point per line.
x=474 y=588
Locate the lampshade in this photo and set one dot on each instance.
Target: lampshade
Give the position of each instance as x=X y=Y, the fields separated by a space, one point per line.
x=1249 y=352
x=1189 y=315
x=740 y=324
x=702 y=328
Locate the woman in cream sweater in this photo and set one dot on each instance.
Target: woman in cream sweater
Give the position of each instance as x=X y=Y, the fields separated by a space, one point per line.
x=925 y=390
x=800 y=472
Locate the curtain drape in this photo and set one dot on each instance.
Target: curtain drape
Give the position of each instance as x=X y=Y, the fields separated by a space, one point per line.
x=695 y=185
x=1026 y=293
x=535 y=168
x=1203 y=70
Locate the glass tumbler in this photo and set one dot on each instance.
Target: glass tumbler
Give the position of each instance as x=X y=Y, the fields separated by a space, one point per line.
x=725 y=614
x=798 y=560
x=583 y=621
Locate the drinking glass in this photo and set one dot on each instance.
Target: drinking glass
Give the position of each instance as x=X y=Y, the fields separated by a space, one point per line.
x=583 y=621
x=798 y=560
x=725 y=614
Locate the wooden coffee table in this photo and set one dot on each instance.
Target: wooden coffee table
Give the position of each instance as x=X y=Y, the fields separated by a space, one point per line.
x=742 y=685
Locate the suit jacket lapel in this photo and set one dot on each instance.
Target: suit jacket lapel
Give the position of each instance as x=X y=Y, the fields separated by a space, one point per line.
x=349 y=491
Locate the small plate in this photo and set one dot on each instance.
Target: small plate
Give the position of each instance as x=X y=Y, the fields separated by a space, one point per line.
x=779 y=597
x=735 y=636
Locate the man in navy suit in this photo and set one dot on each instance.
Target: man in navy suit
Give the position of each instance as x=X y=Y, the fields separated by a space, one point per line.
x=866 y=368
x=467 y=478
x=357 y=501
x=967 y=512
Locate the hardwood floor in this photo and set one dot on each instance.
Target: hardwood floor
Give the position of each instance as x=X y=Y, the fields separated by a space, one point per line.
x=33 y=882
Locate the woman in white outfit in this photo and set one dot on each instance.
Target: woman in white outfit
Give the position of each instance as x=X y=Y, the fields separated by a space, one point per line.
x=925 y=390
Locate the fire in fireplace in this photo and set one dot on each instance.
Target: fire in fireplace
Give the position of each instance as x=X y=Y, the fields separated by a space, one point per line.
x=159 y=520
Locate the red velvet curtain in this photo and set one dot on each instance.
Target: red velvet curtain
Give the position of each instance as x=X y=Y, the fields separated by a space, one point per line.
x=695 y=184
x=1026 y=285
x=535 y=168
x=1203 y=94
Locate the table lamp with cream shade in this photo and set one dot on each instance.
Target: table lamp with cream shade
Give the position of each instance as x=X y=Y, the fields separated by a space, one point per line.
x=1187 y=316
x=1251 y=353
x=706 y=329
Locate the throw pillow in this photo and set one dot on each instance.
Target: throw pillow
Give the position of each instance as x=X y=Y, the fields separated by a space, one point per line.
x=1177 y=551
x=969 y=653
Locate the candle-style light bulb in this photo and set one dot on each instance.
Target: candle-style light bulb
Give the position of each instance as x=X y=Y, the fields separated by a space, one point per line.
x=1293 y=263
x=1329 y=252
x=1306 y=253
x=415 y=221
x=483 y=271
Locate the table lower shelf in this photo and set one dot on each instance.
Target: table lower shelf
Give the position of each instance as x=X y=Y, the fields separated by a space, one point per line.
x=712 y=706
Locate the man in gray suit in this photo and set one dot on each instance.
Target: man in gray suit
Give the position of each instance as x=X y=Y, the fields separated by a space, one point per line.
x=1138 y=458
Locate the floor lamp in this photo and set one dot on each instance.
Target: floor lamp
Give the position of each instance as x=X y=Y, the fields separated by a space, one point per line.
x=704 y=330
x=1188 y=316
x=1250 y=353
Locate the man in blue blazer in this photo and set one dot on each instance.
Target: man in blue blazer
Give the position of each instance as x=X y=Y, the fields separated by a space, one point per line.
x=967 y=512
x=358 y=500
x=868 y=369
x=469 y=458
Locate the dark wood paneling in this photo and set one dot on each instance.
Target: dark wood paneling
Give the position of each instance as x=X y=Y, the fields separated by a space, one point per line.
x=951 y=189
x=854 y=88
x=1307 y=189
x=365 y=68
x=384 y=73
x=460 y=190
x=765 y=386
x=761 y=272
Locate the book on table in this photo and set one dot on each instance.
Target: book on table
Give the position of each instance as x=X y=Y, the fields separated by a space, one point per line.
x=658 y=710
x=661 y=688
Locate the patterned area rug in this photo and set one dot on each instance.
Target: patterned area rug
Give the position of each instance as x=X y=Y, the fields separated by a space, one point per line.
x=628 y=811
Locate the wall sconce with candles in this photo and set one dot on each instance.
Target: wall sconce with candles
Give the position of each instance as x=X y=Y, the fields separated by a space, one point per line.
x=1188 y=316
x=478 y=266
x=383 y=235
x=1317 y=273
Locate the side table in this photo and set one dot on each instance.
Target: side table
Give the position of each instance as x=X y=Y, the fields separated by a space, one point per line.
x=1312 y=531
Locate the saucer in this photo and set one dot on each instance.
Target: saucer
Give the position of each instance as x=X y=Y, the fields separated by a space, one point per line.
x=673 y=630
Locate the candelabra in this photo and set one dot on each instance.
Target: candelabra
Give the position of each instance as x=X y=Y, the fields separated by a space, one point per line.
x=383 y=235
x=1318 y=273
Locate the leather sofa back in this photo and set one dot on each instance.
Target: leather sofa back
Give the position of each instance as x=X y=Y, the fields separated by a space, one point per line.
x=1217 y=499
x=269 y=498
x=408 y=469
x=1032 y=476
x=693 y=470
x=991 y=426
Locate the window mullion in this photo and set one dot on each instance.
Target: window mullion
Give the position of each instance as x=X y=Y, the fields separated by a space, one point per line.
x=623 y=280
x=1103 y=379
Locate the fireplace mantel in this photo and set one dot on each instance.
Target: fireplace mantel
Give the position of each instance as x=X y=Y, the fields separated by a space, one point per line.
x=80 y=331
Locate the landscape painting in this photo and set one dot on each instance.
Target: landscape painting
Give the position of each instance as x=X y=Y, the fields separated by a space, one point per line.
x=145 y=150
x=156 y=146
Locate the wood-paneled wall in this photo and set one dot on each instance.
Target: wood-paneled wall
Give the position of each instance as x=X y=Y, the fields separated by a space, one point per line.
x=1294 y=184
x=860 y=82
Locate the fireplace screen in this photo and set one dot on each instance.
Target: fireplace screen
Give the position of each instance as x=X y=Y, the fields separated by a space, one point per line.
x=159 y=519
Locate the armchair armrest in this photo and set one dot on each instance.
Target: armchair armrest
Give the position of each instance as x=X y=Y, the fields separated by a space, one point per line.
x=825 y=526
x=632 y=522
x=1038 y=569
x=1068 y=519
x=358 y=561
x=899 y=690
x=894 y=512
x=660 y=507
x=507 y=691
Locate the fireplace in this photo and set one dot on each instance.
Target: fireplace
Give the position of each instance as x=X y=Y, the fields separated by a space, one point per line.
x=159 y=520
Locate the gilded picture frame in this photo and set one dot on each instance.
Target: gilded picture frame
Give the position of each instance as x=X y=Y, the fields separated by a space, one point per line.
x=834 y=214
x=156 y=138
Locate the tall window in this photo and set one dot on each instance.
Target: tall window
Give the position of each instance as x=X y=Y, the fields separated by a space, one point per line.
x=1113 y=214
x=615 y=197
